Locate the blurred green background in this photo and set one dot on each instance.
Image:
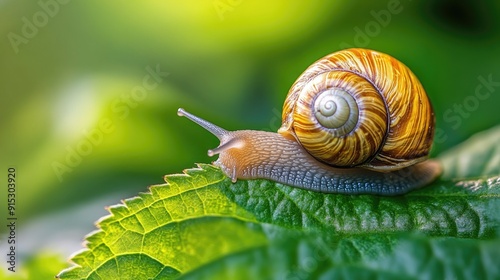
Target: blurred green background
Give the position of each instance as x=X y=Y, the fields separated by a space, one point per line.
x=90 y=89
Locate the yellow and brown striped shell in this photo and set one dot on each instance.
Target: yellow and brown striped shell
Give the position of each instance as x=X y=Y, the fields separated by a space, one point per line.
x=359 y=107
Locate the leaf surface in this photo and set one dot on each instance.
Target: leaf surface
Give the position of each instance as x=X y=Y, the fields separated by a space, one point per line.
x=201 y=225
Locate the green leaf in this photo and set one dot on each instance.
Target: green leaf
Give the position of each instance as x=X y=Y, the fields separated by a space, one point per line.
x=478 y=156
x=201 y=225
x=360 y=257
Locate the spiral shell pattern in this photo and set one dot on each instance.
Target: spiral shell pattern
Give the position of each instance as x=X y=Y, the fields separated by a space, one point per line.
x=336 y=109
x=360 y=127
x=390 y=127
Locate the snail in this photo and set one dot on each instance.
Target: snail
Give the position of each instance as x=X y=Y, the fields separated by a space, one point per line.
x=356 y=121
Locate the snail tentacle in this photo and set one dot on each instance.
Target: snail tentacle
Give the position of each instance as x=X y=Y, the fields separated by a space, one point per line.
x=224 y=146
x=219 y=132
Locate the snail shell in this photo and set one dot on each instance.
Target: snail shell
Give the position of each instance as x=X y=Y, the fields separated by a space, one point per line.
x=360 y=107
x=356 y=121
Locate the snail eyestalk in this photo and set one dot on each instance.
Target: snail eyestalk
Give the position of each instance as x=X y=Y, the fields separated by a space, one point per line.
x=219 y=132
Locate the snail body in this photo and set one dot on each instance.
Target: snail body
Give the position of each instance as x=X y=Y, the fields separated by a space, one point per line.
x=356 y=121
